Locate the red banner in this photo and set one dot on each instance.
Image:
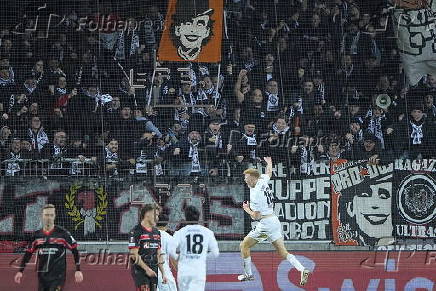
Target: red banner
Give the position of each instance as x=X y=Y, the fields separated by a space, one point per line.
x=345 y=271
x=193 y=31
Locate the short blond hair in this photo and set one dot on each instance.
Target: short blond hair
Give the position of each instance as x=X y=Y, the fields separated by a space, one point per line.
x=48 y=206
x=252 y=172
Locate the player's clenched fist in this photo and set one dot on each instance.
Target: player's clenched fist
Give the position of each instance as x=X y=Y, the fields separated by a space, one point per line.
x=18 y=277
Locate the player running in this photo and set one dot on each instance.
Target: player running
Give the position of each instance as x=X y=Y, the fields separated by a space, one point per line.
x=51 y=243
x=166 y=241
x=144 y=246
x=261 y=209
x=192 y=244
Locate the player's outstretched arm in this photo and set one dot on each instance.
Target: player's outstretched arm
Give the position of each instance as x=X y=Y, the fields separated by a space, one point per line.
x=268 y=161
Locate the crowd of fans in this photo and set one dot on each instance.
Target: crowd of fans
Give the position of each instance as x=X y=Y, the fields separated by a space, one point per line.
x=301 y=81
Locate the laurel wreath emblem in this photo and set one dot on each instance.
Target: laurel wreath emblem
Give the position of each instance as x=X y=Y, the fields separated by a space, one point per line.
x=74 y=212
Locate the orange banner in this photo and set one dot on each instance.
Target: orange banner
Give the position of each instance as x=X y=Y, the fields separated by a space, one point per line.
x=193 y=31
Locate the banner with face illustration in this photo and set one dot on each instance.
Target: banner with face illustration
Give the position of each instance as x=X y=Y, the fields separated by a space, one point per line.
x=193 y=31
x=361 y=203
x=416 y=37
x=414 y=205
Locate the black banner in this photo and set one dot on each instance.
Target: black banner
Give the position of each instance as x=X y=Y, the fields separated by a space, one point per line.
x=303 y=205
x=414 y=206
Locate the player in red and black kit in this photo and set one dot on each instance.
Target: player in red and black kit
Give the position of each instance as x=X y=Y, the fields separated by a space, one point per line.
x=51 y=243
x=144 y=247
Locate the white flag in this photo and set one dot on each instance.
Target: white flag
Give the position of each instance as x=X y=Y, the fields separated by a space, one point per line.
x=416 y=39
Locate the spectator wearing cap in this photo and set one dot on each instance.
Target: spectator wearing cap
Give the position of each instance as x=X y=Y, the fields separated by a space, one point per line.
x=412 y=137
x=11 y=157
x=370 y=150
x=189 y=156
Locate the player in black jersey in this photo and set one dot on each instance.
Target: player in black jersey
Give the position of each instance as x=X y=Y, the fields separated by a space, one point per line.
x=144 y=246
x=51 y=243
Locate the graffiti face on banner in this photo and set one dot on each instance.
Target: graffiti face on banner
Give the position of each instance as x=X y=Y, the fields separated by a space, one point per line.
x=191 y=28
x=371 y=209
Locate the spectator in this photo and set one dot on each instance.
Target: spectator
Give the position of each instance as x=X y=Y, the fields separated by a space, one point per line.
x=151 y=152
x=279 y=139
x=370 y=150
x=13 y=156
x=113 y=161
x=188 y=156
x=254 y=110
x=244 y=145
x=5 y=139
x=412 y=136
x=430 y=107
x=216 y=145
x=125 y=129
x=37 y=135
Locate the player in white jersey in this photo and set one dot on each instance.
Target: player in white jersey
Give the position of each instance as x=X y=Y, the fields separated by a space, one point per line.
x=261 y=209
x=166 y=242
x=192 y=244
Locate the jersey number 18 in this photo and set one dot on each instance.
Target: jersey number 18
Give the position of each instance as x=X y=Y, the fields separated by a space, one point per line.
x=194 y=244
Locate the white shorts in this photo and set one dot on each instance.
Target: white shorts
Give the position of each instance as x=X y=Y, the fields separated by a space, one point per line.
x=169 y=286
x=267 y=228
x=191 y=283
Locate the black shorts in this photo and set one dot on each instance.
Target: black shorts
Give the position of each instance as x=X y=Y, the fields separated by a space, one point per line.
x=56 y=285
x=141 y=279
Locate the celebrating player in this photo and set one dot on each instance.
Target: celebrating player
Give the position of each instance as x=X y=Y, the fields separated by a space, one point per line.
x=260 y=208
x=51 y=243
x=192 y=244
x=166 y=242
x=144 y=246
